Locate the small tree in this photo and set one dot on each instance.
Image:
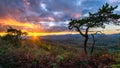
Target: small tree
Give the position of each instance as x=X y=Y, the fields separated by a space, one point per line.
x=14 y=36
x=104 y=16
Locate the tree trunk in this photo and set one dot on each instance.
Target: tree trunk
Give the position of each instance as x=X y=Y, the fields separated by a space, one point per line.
x=85 y=44
x=93 y=38
x=85 y=36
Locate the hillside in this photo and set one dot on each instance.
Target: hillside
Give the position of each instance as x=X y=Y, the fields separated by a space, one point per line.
x=106 y=41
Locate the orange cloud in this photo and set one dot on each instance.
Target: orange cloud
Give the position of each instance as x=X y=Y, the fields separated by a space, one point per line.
x=12 y=22
x=24 y=26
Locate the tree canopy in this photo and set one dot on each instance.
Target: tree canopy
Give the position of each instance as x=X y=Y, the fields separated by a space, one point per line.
x=104 y=15
x=14 y=36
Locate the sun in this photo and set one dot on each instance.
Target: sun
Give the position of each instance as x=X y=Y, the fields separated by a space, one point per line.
x=35 y=35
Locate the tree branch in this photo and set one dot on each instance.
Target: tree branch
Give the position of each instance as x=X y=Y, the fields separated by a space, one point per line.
x=93 y=38
x=98 y=32
x=78 y=29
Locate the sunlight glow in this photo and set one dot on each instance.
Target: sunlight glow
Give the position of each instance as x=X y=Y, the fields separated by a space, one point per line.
x=36 y=34
x=46 y=34
x=65 y=33
x=35 y=38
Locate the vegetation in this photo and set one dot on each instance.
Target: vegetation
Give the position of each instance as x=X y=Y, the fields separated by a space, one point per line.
x=14 y=36
x=104 y=16
x=40 y=54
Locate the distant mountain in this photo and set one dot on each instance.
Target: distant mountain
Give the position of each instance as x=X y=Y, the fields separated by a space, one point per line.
x=72 y=36
x=102 y=40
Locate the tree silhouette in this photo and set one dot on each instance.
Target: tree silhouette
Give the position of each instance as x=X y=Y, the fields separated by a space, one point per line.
x=14 y=36
x=104 y=16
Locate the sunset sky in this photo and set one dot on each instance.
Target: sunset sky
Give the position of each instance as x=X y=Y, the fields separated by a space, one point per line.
x=49 y=16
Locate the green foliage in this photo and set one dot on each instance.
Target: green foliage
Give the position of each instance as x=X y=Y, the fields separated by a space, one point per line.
x=60 y=58
x=54 y=65
x=116 y=66
x=117 y=59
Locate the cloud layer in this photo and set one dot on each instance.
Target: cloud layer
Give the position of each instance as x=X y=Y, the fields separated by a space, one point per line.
x=51 y=15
